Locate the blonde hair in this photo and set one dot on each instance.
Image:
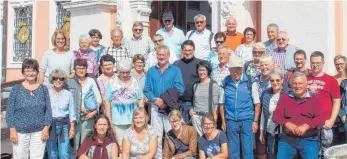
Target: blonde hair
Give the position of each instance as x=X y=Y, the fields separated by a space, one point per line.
x=266 y=58
x=54 y=36
x=137 y=111
x=165 y=48
x=209 y=117
x=176 y=115
x=259 y=45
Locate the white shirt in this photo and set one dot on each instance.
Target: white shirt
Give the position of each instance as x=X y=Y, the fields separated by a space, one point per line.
x=245 y=53
x=202 y=43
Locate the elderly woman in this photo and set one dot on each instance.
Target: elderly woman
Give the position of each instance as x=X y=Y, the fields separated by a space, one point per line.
x=107 y=64
x=140 y=140
x=28 y=114
x=181 y=141
x=244 y=51
x=268 y=129
x=205 y=100
x=138 y=72
x=214 y=143
x=63 y=114
x=58 y=57
x=83 y=53
x=122 y=96
x=100 y=143
x=95 y=47
x=252 y=68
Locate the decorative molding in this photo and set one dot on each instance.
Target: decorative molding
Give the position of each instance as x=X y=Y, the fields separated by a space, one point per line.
x=118 y=14
x=142 y=7
x=90 y=4
x=20 y=3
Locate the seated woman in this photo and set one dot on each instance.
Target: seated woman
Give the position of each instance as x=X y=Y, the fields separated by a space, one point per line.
x=181 y=141
x=140 y=140
x=100 y=143
x=214 y=143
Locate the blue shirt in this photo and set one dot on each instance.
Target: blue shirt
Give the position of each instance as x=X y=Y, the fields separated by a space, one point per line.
x=27 y=111
x=62 y=104
x=270 y=46
x=158 y=82
x=213 y=59
x=173 y=41
x=97 y=52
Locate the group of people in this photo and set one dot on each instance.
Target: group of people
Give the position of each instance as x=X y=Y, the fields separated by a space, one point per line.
x=202 y=95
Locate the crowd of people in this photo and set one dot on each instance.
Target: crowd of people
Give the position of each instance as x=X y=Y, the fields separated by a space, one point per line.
x=204 y=95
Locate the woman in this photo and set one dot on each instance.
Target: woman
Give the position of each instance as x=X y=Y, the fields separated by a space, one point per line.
x=203 y=102
x=181 y=141
x=252 y=68
x=140 y=140
x=28 y=114
x=95 y=47
x=214 y=143
x=343 y=110
x=100 y=143
x=269 y=130
x=58 y=57
x=244 y=51
x=122 y=96
x=107 y=64
x=138 y=72
x=83 y=53
x=64 y=117
x=340 y=62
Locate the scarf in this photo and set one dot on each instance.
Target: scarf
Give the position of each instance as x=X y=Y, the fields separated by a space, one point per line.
x=100 y=151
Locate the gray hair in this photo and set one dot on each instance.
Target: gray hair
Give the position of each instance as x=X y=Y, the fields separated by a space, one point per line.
x=57 y=73
x=340 y=57
x=137 y=23
x=223 y=47
x=273 y=25
x=165 y=48
x=85 y=38
x=285 y=33
x=298 y=74
x=157 y=35
x=124 y=65
x=116 y=29
x=203 y=17
x=231 y=18
x=276 y=72
x=259 y=45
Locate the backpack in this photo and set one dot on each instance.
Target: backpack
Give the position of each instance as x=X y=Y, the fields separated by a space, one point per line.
x=210 y=38
x=210 y=94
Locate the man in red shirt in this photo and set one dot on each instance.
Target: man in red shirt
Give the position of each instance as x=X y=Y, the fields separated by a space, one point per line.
x=299 y=114
x=327 y=89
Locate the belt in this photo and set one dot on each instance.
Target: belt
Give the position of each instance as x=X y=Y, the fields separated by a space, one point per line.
x=202 y=113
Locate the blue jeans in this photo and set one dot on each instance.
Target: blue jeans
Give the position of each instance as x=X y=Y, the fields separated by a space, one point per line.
x=237 y=130
x=271 y=139
x=185 y=111
x=307 y=147
x=59 y=148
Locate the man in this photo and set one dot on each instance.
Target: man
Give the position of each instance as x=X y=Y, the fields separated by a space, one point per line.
x=272 y=31
x=107 y=64
x=202 y=37
x=300 y=66
x=299 y=114
x=173 y=37
x=118 y=51
x=239 y=117
x=151 y=60
x=219 y=40
x=219 y=73
x=284 y=53
x=328 y=91
x=139 y=43
x=159 y=79
x=233 y=38
x=188 y=68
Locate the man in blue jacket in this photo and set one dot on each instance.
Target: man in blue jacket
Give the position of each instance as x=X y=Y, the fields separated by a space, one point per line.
x=237 y=111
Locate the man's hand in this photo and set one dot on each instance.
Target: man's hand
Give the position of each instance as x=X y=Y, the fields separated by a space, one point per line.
x=255 y=127
x=329 y=123
x=301 y=129
x=290 y=127
x=159 y=102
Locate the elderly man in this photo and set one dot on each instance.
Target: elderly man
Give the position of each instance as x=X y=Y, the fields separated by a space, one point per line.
x=188 y=68
x=202 y=37
x=327 y=89
x=219 y=73
x=159 y=79
x=299 y=114
x=300 y=66
x=151 y=59
x=284 y=53
x=118 y=51
x=239 y=117
x=139 y=43
x=233 y=38
x=173 y=37
x=272 y=31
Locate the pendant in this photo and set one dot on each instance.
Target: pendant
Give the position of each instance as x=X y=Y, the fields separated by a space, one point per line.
x=31 y=93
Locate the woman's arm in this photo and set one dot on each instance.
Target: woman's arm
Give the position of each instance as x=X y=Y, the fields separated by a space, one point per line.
x=125 y=149
x=141 y=103
x=166 y=150
x=202 y=154
x=41 y=77
x=114 y=152
x=153 y=146
x=223 y=154
x=83 y=156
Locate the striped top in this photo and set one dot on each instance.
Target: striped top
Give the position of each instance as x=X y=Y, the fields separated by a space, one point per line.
x=143 y=45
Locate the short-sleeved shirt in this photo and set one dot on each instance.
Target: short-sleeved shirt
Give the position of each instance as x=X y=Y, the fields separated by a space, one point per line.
x=138 y=148
x=212 y=147
x=144 y=45
x=245 y=53
x=326 y=88
x=201 y=96
x=233 y=41
x=203 y=42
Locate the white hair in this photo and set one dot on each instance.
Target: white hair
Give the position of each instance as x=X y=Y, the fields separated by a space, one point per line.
x=259 y=45
x=124 y=65
x=203 y=17
x=116 y=29
x=266 y=58
x=85 y=38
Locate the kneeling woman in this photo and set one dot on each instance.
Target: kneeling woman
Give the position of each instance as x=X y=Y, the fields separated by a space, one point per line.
x=100 y=143
x=181 y=141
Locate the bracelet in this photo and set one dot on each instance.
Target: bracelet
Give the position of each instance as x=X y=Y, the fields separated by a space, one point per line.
x=256 y=121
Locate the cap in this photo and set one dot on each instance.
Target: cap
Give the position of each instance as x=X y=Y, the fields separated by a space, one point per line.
x=167 y=16
x=235 y=61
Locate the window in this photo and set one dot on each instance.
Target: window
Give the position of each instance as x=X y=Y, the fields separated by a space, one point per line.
x=63 y=20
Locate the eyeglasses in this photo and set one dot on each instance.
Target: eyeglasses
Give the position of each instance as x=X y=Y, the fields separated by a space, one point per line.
x=124 y=73
x=208 y=124
x=138 y=30
x=339 y=64
x=316 y=63
x=283 y=39
x=258 y=52
x=58 y=78
x=202 y=70
x=167 y=21
x=277 y=80
x=158 y=41
x=249 y=34
x=199 y=22
x=219 y=42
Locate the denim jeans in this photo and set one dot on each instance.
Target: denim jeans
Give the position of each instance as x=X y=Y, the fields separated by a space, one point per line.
x=307 y=147
x=185 y=111
x=59 y=148
x=236 y=131
x=270 y=144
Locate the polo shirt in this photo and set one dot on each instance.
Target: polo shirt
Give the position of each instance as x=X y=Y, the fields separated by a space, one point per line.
x=233 y=41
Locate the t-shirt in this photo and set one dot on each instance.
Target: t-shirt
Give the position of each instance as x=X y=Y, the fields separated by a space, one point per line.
x=233 y=41
x=201 y=97
x=326 y=88
x=212 y=147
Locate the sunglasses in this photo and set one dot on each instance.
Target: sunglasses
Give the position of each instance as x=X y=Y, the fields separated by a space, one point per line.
x=277 y=80
x=136 y=30
x=58 y=78
x=219 y=42
x=167 y=21
x=158 y=41
x=199 y=22
x=283 y=39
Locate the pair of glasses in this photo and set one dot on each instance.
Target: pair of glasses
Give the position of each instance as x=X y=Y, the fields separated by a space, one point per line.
x=199 y=22
x=138 y=30
x=158 y=41
x=277 y=80
x=258 y=52
x=167 y=21
x=124 y=73
x=58 y=78
x=219 y=42
x=283 y=39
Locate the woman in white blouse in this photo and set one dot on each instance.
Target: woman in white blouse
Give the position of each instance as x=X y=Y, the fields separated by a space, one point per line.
x=244 y=51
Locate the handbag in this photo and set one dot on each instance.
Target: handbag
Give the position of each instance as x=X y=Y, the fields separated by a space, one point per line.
x=90 y=100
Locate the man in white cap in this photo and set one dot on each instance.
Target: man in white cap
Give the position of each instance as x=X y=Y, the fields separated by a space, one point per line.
x=239 y=118
x=173 y=37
